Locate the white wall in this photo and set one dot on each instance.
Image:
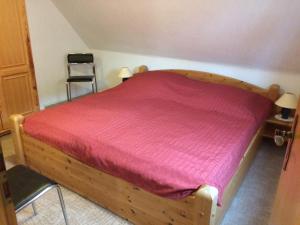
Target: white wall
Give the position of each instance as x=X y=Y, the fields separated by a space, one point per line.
x=249 y=33
x=52 y=37
x=110 y=62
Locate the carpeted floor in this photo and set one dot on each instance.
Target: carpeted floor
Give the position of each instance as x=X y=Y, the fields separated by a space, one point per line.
x=253 y=202
x=251 y=206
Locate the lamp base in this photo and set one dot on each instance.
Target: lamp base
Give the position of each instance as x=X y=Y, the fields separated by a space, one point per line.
x=285 y=113
x=279 y=117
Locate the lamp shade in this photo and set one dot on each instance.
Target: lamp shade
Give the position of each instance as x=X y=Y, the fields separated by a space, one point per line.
x=287 y=100
x=125 y=73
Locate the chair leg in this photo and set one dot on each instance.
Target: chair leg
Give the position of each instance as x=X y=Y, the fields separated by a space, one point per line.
x=29 y=218
x=70 y=91
x=62 y=203
x=96 y=86
x=34 y=209
x=93 y=89
x=67 y=90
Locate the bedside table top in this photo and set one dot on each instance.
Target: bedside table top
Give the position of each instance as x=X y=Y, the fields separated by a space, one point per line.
x=273 y=120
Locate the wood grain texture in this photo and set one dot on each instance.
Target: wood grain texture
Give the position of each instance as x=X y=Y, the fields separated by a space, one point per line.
x=18 y=92
x=286 y=209
x=272 y=124
x=1 y=123
x=12 y=40
x=125 y=199
x=7 y=208
x=16 y=128
x=272 y=92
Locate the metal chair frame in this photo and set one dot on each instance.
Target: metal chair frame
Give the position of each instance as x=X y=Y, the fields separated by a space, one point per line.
x=61 y=199
x=32 y=201
x=93 y=82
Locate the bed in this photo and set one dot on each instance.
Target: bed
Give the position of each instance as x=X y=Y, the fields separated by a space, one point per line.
x=166 y=148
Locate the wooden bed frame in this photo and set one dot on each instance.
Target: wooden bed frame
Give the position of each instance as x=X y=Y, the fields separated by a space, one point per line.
x=125 y=199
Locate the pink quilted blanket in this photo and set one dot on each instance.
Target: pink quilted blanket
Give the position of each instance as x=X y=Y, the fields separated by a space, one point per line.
x=160 y=131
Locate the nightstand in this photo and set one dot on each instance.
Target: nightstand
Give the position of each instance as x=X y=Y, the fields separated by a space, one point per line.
x=272 y=124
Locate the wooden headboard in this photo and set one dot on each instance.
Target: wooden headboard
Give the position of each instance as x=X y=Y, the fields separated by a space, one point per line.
x=273 y=92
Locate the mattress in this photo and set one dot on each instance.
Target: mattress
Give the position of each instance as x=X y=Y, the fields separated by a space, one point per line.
x=160 y=131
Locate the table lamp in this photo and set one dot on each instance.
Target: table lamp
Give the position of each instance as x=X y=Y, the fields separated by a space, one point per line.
x=125 y=73
x=287 y=102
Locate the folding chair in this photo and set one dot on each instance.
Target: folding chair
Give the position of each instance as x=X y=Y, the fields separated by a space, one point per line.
x=81 y=59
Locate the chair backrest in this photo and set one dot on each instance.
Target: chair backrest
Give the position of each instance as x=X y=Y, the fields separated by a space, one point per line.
x=80 y=58
x=75 y=59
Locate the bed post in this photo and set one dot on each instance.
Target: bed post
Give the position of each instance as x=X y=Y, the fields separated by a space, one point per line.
x=274 y=92
x=16 y=123
x=205 y=205
x=142 y=69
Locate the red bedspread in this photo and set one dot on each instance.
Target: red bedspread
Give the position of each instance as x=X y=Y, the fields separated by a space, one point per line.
x=162 y=132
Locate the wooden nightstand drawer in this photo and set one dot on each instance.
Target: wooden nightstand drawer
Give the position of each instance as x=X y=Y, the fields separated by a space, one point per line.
x=272 y=124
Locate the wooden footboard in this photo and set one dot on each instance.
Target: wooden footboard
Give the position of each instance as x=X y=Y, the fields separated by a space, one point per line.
x=121 y=197
x=117 y=195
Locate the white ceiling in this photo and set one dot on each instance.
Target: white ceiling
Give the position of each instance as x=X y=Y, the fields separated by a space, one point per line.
x=251 y=33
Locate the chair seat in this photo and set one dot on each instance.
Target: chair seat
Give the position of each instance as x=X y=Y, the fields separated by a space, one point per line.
x=25 y=184
x=80 y=78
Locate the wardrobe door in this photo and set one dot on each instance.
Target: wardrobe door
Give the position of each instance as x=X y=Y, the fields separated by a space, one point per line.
x=286 y=209
x=17 y=81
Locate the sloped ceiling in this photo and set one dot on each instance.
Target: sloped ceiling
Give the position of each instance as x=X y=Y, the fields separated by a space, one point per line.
x=251 y=33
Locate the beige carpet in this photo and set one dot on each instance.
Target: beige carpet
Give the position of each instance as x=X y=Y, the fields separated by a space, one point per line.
x=251 y=206
x=253 y=203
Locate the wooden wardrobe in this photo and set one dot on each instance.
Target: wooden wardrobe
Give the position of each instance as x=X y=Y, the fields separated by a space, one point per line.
x=18 y=92
x=286 y=208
